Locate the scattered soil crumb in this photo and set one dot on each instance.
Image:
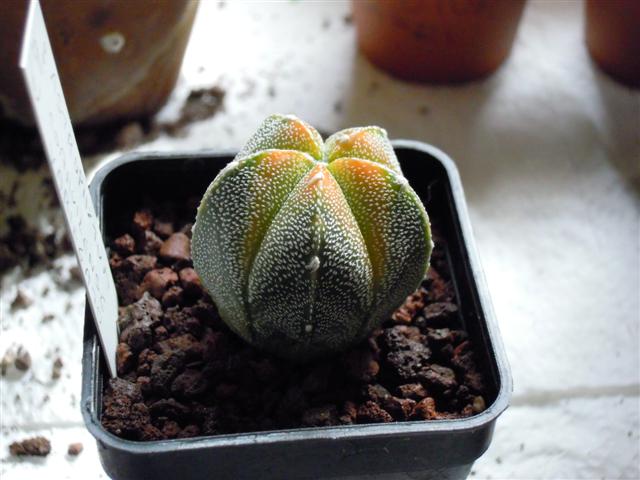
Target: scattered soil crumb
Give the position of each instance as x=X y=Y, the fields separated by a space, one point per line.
x=201 y=104
x=21 y=148
x=75 y=449
x=36 y=446
x=56 y=370
x=27 y=246
x=22 y=300
x=7 y=360
x=129 y=136
x=23 y=359
x=75 y=273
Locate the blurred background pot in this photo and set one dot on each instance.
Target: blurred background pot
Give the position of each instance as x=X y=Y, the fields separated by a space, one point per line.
x=116 y=59
x=437 y=41
x=613 y=38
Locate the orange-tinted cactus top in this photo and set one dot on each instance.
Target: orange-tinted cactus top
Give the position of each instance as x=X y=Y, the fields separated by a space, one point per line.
x=305 y=245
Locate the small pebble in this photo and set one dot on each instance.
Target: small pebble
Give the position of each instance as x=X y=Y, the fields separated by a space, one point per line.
x=425 y=409
x=439 y=311
x=21 y=300
x=142 y=220
x=75 y=449
x=371 y=412
x=156 y=282
x=75 y=274
x=151 y=243
x=164 y=228
x=125 y=244
x=56 y=370
x=478 y=404
x=23 y=359
x=176 y=248
x=190 y=281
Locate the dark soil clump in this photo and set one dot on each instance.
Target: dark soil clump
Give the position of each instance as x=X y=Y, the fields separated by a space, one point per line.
x=183 y=373
x=36 y=446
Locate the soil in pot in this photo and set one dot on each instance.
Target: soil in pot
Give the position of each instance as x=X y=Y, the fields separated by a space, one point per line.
x=183 y=373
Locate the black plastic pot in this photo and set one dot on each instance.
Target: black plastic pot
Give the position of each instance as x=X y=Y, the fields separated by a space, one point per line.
x=439 y=449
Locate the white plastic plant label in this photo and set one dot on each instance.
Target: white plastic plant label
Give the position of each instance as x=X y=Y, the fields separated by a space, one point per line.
x=50 y=110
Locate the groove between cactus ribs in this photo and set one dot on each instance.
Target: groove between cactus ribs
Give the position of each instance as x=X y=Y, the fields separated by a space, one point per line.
x=310 y=327
x=245 y=286
x=402 y=181
x=365 y=320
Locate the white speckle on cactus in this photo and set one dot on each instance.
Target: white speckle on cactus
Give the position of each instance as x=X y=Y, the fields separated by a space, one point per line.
x=317 y=177
x=313 y=264
x=342 y=138
x=287 y=205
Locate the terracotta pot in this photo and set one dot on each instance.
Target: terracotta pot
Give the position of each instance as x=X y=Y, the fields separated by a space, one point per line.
x=437 y=41
x=613 y=38
x=116 y=59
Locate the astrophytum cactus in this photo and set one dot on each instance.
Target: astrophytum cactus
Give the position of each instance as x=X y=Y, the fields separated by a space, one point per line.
x=306 y=246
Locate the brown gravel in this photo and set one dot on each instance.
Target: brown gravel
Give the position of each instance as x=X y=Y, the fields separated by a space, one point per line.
x=183 y=373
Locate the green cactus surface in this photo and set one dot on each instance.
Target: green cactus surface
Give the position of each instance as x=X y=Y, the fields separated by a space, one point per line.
x=306 y=246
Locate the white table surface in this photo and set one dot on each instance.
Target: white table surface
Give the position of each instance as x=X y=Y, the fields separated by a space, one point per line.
x=549 y=153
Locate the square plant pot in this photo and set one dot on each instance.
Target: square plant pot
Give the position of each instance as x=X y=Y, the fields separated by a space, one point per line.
x=438 y=449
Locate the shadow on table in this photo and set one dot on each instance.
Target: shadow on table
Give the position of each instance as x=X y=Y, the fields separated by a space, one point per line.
x=619 y=104
x=451 y=117
x=498 y=130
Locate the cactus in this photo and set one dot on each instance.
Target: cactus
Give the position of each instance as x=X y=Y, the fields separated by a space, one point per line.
x=306 y=246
